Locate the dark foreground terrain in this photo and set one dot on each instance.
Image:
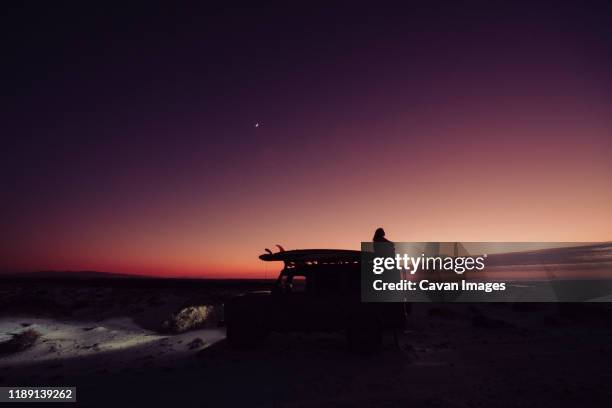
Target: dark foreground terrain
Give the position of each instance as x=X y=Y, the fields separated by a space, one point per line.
x=455 y=355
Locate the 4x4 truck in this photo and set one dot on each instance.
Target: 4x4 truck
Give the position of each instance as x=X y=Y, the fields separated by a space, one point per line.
x=317 y=290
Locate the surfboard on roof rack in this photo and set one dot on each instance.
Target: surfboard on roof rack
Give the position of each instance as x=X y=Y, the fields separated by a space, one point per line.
x=314 y=255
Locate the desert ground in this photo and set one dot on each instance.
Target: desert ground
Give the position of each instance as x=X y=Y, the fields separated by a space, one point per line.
x=107 y=337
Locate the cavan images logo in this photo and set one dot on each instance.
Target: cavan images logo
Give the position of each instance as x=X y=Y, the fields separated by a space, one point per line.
x=436 y=282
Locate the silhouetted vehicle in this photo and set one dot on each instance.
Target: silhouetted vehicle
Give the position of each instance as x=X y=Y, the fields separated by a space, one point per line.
x=317 y=290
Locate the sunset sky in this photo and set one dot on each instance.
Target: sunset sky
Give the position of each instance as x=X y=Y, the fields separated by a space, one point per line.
x=130 y=143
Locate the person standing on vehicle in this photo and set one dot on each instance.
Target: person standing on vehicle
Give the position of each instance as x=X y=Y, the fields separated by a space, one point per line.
x=400 y=308
x=383 y=248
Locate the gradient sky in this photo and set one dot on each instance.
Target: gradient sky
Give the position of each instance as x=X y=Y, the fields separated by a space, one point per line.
x=130 y=146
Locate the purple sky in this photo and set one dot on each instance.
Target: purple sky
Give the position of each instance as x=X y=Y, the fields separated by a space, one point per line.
x=130 y=143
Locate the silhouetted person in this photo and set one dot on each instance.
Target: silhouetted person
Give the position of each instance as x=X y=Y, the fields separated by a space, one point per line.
x=385 y=248
x=379 y=236
x=382 y=246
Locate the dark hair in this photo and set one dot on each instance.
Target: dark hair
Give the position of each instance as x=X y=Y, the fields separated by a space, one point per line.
x=379 y=234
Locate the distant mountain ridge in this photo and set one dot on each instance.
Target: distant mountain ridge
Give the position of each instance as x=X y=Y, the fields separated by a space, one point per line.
x=69 y=275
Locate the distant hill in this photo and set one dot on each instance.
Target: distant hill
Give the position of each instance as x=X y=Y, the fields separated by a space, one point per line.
x=68 y=275
x=576 y=255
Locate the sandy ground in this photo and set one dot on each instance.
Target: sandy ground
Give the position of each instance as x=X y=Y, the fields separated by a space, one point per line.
x=451 y=355
x=62 y=340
